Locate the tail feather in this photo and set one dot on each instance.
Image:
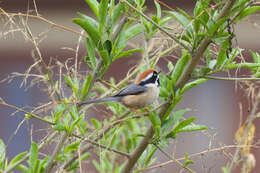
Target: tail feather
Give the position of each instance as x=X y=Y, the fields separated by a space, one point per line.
x=107 y=99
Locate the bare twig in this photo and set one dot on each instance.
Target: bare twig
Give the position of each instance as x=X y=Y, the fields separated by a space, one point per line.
x=52 y=162
x=28 y=113
x=194 y=155
x=250 y=119
x=173 y=159
x=42 y=19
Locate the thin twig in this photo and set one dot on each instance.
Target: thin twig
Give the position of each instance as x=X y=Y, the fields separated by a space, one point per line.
x=158 y=26
x=52 y=162
x=173 y=159
x=44 y=20
x=103 y=146
x=250 y=119
x=28 y=113
x=194 y=155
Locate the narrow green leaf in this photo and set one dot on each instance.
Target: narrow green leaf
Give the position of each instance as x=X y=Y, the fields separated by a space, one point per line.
x=150 y=156
x=16 y=159
x=93 y=4
x=108 y=46
x=242 y=65
x=222 y=53
x=85 y=87
x=246 y=12
x=23 y=168
x=59 y=127
x=184 y=123
x=184 y=21
x=91 y=29
x=158 y=10
x=190 y=128
x=192 y=84
x=103 y=6
x=96 y=123
x=33 y=157
x=117 y=12
x=72 y=147
x=127 y=53
x=133 y=31
x=179 y=67
x=156 y=122
x=2 y=151
x=174 y=119
x=91 y=52
x=105 y=57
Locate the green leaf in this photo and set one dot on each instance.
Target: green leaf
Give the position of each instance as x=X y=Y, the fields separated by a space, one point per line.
x=174 y=119
x=191 y=127
x=108 y=46
x=72 y=147
x=222 y=53
x=93 y=4
x=246 y=12
x=156 y=122
x=177 y=129
x=23 y=168
x=16 y=159
x=133 y=31
x=59 y=127
x=150 y=156
x=127 y=53
x=103 y=6
x=242 y=65
x=96 y=123
x=183 y=20
x=91 y=52
x=179 y=67
x=85 y=87
x=73 y=84
x=33 y=157
x=158 y=10
x=117 y=12
x=192 y=84
x=105 y=57
x=184 y=123
x=2 y=151
x=89 y=25
x=187 y=161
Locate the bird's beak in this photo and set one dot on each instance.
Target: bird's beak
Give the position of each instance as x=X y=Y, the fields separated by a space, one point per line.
x=159 y=71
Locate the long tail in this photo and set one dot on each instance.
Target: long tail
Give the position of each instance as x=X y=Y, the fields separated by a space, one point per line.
x=107 y=99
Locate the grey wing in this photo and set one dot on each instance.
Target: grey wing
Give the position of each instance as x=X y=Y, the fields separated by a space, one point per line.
x=131 y=90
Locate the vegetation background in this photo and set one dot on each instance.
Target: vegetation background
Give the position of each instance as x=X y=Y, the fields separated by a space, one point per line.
x=218 y=104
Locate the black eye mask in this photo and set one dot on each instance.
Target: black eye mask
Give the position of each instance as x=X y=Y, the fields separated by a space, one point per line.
x=154 y=79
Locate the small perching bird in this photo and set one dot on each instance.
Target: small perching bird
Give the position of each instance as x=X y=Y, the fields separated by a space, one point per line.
x=142 y=93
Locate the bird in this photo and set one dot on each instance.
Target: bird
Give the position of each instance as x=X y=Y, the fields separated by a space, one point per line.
x=142 y=93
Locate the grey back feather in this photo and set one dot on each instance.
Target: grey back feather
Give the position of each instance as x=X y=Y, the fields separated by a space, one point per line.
x=128 y=90
x=131 y=90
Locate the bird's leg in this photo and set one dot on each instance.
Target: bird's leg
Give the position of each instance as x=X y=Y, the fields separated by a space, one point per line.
x=147 y=110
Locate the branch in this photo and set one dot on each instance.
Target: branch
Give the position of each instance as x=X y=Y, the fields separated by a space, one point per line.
x=193 y=155
x=103 y=146
x=186 y=75
x=52 y=162
x=154 y=23
x=173 y=159
x=42 y=19
x=28 y=113
x=230 y=78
